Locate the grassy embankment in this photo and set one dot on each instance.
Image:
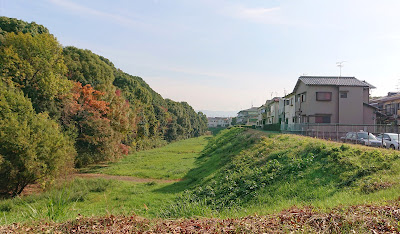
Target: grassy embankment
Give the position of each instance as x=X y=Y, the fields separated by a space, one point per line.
x=240 y=172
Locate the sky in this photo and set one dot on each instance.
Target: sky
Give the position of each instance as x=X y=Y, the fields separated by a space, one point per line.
x=225 y=55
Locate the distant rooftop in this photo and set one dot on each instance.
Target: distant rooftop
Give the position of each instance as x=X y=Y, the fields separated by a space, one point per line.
x=251 y=109
x=333 y=81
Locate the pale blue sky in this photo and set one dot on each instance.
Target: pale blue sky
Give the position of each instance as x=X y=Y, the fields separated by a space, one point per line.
x=227 y=55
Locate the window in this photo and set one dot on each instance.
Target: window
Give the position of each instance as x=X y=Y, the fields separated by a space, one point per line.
x=324 y=96
x=343 y=94
x=287 y=102
x=322 y=119
x=301 y=97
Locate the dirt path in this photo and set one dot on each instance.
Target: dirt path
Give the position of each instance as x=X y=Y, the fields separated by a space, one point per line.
x=35 y=188
x=123 y=178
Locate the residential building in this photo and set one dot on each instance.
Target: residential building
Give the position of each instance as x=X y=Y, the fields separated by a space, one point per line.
x=389 y=106
x=326 y=99
x=214 y=122
x=248 y=116
x=273 y=111
x=260 y=120
x=289 y=109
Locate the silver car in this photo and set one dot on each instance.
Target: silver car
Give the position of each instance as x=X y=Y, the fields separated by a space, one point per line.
x=390 y=139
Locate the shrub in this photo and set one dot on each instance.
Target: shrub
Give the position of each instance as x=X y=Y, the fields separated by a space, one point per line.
x=32 y=147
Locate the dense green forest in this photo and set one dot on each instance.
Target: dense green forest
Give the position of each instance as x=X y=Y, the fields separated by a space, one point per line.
x=65 y=107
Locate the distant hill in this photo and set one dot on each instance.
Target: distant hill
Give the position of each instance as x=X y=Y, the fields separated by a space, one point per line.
x=211 y=113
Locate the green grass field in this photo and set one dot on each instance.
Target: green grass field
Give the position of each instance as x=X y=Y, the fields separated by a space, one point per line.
x=237 y=173
x=172 y=161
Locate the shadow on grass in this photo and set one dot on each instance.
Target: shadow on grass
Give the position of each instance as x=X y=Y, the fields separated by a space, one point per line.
x=218 y=152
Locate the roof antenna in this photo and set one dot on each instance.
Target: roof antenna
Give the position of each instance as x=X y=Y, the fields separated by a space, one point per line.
x=398 y=85
x=340 y=65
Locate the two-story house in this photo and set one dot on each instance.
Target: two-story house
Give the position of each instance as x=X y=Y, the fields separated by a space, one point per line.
x=289 y=109
x=260 y=119
x=389 y=107
x=325 y=99
x=248 y=116
x=273 y=111
x=214 y=122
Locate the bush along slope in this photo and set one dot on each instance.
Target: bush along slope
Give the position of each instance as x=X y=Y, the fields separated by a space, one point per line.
x=255 y=173
x=102 y=112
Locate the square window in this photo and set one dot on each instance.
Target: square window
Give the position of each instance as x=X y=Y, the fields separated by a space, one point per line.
x=343 y=94
x=323 y=119
x=324 y=96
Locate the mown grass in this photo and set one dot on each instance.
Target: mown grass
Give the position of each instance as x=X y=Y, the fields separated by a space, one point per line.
x=172 y=161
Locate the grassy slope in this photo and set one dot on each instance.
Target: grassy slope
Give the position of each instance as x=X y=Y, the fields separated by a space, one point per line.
x=266 y=174
x=239 y=173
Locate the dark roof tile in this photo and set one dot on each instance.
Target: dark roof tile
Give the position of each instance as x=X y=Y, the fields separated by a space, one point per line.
x=331 y=80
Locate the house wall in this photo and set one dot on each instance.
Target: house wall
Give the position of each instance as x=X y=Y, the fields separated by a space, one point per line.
x=369 y=116
x=351 y=108
x=348 y=110
x=290 y=110
x=312 y=107
x=366 y=95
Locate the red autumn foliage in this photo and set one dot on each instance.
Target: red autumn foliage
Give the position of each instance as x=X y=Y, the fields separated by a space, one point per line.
x=101 y=126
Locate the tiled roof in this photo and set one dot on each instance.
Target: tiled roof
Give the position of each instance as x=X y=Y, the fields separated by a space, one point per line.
x=387 y=98
x=331 y=80
x=251 y=109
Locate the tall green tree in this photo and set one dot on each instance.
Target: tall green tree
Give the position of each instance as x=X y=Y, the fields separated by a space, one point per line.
x=32 y=146
x=35 y=64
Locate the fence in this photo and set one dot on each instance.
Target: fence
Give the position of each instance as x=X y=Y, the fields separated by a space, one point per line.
x=335 y=131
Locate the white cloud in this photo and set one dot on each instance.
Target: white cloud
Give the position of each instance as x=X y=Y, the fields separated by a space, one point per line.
x=77 y=8
x=272 y=15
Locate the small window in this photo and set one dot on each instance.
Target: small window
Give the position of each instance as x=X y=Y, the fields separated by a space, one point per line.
x=323 y=119
x=287 y=102
x=301 y=97
x=343 y=94
x=324 y=96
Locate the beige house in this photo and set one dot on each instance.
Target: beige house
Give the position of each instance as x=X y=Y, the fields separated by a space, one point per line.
x=260 y=119
x=272 y=111
x=343 y=100
x=214 y=122
x=248 y=116
x=389 y=107
x=289 y=109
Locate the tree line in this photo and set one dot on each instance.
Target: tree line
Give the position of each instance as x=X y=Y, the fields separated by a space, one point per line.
x=64 y=107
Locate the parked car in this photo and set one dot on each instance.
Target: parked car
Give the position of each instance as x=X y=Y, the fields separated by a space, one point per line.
x=363 y=138
x=391 y=140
